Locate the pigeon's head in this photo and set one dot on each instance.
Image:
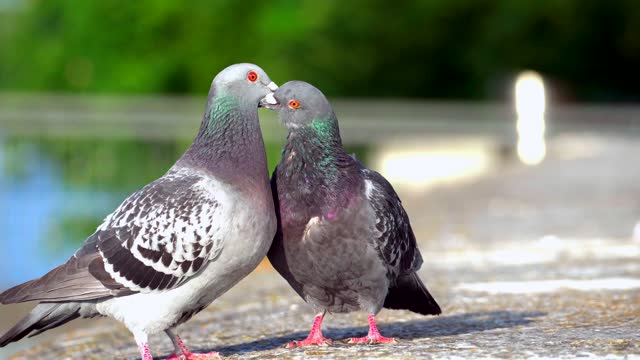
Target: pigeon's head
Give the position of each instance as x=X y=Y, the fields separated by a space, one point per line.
x=245 y=81
x=299 y=104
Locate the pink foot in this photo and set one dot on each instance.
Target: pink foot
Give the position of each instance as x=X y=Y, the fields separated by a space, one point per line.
x=316 y=340
x=315 y=335
x=379 y=339
x=374 y=336
x=194 y=356
x=186 y=353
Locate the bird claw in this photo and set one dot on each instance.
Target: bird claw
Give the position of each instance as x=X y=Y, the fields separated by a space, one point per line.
x=195 y=356
x=379 y=339
x=320 y=341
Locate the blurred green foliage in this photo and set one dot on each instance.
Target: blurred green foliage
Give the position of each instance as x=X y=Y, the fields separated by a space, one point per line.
x=433 y=48
x=104 y=164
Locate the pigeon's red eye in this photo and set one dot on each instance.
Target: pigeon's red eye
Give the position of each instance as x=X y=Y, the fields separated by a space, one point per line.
x=252 y=76
x=294 y=104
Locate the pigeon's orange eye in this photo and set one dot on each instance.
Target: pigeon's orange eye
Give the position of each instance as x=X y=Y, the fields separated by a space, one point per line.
x=294 y=104
x=252 y=76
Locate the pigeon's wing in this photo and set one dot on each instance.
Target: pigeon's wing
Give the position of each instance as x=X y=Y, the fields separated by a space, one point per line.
x=165 y=234
x=394 y=238
x=157 y=239
x=276 y=254
x=69 y=281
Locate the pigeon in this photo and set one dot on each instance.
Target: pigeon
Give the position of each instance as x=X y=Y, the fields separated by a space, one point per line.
x=344 y=242
x=171 y=248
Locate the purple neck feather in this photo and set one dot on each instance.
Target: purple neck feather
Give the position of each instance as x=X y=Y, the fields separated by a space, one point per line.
x=229 y=144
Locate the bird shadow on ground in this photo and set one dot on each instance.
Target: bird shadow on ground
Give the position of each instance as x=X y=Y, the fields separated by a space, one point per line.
x=409 y=330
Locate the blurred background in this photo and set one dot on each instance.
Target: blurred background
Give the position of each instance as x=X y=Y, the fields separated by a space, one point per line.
x=510 y=129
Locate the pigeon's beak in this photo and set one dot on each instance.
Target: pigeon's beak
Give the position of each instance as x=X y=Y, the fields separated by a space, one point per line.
x=272 y=86
x=269 y=101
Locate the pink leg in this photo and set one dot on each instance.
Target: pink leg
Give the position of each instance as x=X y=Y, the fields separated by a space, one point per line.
x=374 y=336
x=315 y=335
x=145 y=353
x=185 y=352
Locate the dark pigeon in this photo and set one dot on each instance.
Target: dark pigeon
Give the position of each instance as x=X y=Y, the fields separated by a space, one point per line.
x=177 y=244
x=344 y=241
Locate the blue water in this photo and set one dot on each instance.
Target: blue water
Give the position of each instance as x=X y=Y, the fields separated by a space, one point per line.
x=30 y=206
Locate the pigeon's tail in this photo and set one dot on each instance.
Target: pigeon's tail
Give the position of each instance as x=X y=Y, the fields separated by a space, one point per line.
x=409 y=293
x=43 y=317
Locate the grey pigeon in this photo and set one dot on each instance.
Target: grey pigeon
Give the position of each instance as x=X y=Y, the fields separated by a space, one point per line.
x=344 y=242
x=180 y=242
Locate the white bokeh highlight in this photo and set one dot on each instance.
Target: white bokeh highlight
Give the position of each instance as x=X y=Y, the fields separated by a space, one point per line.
x=530 y=106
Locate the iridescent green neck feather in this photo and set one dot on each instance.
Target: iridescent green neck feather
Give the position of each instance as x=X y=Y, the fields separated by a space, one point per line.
x=316 y=165
x=326 y=132
x=220 y=112
x=229 y=142
x=316 y=148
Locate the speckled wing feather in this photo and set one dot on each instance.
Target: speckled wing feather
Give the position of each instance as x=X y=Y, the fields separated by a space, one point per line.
x=157 y=239
x=162 y=235
x=394 y=238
